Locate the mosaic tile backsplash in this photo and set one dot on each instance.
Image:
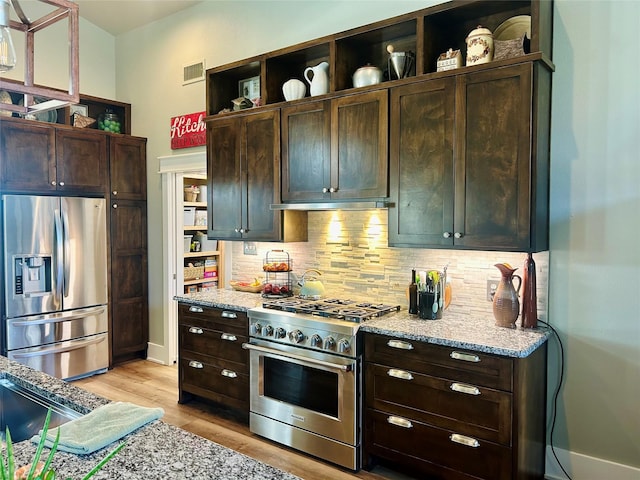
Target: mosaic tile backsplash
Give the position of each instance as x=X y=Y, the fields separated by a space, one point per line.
x=350 y=249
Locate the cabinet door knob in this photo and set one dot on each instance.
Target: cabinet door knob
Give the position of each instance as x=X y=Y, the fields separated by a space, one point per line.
x=333 y=189
x=115 y=192
x=62 y=184
x=228 y=314
x=194 y=364
x=115 y=205
x=195 y=309
x=228 y=337
x=195 y=330
x=457 y=235
x=399 y=421
x=446 y=234
x=325 y=190
x=53 y=182
x=237 y=230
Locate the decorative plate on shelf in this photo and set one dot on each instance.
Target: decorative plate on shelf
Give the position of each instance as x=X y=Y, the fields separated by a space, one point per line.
x=50 y=116
x=513 y=28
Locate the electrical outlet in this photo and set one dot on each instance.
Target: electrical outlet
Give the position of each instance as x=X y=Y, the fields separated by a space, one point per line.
x=250 y=248
x=492 y=286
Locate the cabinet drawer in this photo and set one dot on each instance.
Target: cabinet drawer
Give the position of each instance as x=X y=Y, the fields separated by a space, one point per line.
x=440 y=452
x=229 y=321
x=214 y=343
x=469 y=409
x=457 y=364
x=213 y=381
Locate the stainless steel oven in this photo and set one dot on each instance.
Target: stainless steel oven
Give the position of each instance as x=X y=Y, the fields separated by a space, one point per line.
x=306 y=376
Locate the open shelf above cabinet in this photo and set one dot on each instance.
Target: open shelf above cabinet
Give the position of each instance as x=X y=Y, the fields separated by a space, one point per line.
x=427 y=33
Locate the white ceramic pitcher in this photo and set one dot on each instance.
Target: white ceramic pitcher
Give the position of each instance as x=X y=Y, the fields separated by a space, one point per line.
x=319 y=83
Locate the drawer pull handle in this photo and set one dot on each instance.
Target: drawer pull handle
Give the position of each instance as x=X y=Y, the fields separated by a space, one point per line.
x=467 y=357
x=226 y=314
x=400 y=422
x=463 y=388
x=394 y=372
x=400 y=344
x=196 y=330
x=228 y=373
x=196 y=309
x=229 y=337
x=464 y=440
x=194 y=364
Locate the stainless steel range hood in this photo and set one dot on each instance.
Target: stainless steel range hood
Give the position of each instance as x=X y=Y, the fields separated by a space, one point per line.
x=318 y=206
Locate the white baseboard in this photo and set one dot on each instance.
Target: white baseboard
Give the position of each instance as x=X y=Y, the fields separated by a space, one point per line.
x=157 y=353
x=584 y=467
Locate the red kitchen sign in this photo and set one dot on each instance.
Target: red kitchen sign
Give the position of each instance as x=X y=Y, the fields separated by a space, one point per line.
x=188 y=131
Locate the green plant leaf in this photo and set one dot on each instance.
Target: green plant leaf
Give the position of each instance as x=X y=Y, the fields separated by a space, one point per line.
x=36 y=457
x=104 y=460
x=11 y=467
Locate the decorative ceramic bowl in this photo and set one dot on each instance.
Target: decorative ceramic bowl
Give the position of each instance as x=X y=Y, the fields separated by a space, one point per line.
x=294 y=89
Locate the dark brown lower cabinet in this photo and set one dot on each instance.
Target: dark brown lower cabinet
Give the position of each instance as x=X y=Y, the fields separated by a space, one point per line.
x=446 y=413
x=213 y=365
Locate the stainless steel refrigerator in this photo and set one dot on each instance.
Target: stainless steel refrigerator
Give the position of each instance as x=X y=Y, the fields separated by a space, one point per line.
x=55 y=312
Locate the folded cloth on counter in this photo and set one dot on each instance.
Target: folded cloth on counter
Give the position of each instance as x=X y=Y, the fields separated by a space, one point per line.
x=99 y=428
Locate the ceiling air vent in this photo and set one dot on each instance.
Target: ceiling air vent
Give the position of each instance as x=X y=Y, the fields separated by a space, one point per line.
x=193 y=73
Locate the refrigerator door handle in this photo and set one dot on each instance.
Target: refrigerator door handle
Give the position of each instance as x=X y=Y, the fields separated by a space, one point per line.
x=44 y=319
x=59 y=246
x=73 y=345
x=67 y=263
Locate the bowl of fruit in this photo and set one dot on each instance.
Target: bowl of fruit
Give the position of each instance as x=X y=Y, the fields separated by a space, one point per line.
x=273 y=290
x=251 y=287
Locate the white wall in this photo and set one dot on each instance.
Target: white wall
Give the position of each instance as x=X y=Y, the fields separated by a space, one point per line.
x=595 y=207
x=595 y=177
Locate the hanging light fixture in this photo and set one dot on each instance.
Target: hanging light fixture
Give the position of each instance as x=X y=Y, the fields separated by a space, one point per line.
x=48 y=97
x=7 y=51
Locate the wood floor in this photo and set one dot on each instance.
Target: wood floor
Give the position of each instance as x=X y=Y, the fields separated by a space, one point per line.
x=150 y=384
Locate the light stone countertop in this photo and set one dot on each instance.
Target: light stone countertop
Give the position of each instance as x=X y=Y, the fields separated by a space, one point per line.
x=156 y=451
x=471 y=331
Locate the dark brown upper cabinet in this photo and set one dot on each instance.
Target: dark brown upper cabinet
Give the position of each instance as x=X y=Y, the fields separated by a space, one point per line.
x=469 y=161
x=40 y=159
x=128 y=167
x=336 y=149
x=243 y=163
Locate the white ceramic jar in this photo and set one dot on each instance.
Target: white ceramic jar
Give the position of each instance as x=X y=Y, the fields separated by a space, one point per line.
x=479 y=46
x=294 y=89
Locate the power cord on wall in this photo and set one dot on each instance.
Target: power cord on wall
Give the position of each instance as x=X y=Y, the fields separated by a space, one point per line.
x=555 y=397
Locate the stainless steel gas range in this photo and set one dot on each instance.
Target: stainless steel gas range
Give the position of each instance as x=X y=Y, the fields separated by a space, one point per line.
x=306 y=374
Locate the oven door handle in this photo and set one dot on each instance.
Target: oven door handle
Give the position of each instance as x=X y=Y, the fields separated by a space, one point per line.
x=250 y=346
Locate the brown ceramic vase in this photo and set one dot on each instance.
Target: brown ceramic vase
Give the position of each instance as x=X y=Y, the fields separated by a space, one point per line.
x=506 y=305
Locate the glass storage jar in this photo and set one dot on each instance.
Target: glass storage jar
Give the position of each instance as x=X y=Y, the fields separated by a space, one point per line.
x=109 y=122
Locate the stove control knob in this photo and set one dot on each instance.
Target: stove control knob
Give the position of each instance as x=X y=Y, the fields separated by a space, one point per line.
x=316 y=341
x=329 y=343
x=280 y=333
x=296 y=336
x=344 y=346
x=255 y=329
x=267 y=331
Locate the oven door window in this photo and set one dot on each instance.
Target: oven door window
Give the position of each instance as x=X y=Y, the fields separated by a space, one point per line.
x=301 y=385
